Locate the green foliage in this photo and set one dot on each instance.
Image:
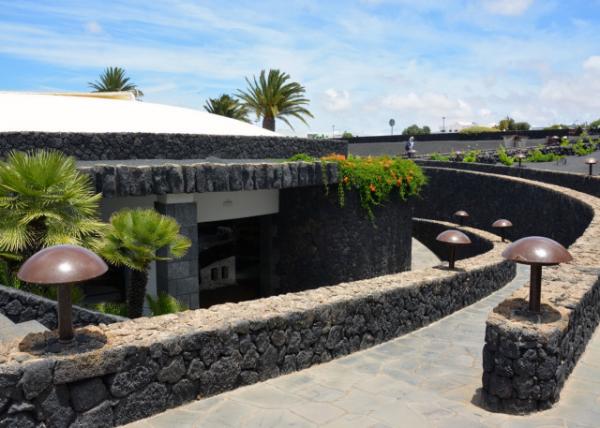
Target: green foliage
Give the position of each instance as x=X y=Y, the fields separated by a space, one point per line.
x=165 y=304
x=594 y=125
x=585 y=145
x=134 y=236
x=227 y=106
x=44 y=201
x=536 y=155
x=509 y=124
x=301 y=157
x=416 y=130
x=565 y=142
x=113 y=79
x=471 y=156
x=520 y=126
x=477 y=129
x=111 y=308
x=439 y=157
x=556 y=126
x=375 y=178
x=347 y=134
x=272 y=97
x=504 y=158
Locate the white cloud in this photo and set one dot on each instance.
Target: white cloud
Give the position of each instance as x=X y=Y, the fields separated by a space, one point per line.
x=337 y=100
x=93 y=27
x=507 y=7
x=592 y=63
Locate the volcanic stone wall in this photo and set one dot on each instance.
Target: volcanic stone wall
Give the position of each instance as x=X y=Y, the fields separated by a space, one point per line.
x=147 y=365
x=20 y=306
x=121 y=145
x=321 y=243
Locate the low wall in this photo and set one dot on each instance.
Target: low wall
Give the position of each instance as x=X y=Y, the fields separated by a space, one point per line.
x=20 y=306
x=123 y=145
x=150 y=364
x=580 y=182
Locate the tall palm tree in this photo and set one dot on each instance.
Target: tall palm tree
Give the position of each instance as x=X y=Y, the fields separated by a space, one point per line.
x=113 y=79
x=228 y=107
x=132 y=240
x=273 y=97
x=44 y=201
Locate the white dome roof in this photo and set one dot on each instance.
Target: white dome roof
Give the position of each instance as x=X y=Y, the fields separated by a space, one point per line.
x=90 y=113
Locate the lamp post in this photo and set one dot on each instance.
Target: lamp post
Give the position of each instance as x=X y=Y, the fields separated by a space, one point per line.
x=392 y=122
x=537 y=252
x=63 y=266
x=502 y=224
x=444 y=124
x=462 y=216
x=591 y=162
x=520 y=157
x=452 y=238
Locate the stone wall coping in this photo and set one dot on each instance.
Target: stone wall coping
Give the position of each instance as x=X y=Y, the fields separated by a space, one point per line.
x=246 y=316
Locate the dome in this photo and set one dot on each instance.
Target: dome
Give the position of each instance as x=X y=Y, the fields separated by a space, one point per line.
x=111 y=112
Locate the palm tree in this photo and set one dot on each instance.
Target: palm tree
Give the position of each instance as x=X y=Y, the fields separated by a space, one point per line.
x=273 y=97
x=113 y=79
x=228 y=107
x=44 y=201
x=132 y=240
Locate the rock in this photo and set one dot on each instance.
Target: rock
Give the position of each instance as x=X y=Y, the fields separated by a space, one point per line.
x=100 y=416
x=21 y=420
x=37 y=376
x=87 y=394
x=222 y=375
x=182 y=392
x=125 y=383
x=19 y=407
x=53 y=407
x=196 y=369
x=151 y=400
x=173 y=371
x=91 y=364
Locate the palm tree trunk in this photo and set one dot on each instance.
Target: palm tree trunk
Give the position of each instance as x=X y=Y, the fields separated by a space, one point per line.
x=269 y=123
x=136 y=293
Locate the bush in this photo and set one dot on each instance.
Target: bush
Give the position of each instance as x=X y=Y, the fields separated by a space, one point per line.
x=537 y=156
x=565 y=142
x=375 y=178
x=471 y=156
x=477 y=129
x=164 y=304
x=583 y=147
x=111 y=308
x=439 y=157
x=504 y=158
x=416 y=130
x=301 y=157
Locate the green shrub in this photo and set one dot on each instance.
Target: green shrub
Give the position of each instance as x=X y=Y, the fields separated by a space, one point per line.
x=477 y=129
x=164 y=304
x=301 y=157
x=584 y=145
x=375 y=178
x=111 y=308
x=565 y=142
x=504 y=158
x=536 y=155
x=439 y=157
x=471 y=156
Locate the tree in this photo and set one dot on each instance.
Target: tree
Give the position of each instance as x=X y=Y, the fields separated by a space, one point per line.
x=347 y=134
x=44 y=201
x=228 y=107
x=133 y=239
x=272 y=97
x=594 y=125
x=509 y=124
x=520 y=126
x=416 y=130
x=113 y=79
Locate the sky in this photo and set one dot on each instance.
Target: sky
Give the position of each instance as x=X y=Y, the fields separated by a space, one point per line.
x=362 y=62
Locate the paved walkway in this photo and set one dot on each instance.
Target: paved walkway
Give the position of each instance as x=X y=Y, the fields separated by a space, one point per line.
x=427 y=378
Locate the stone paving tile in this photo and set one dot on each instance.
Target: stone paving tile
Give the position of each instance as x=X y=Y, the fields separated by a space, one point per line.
x=428 y=378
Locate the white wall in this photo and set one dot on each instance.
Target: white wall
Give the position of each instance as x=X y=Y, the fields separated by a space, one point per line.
x=215 y=206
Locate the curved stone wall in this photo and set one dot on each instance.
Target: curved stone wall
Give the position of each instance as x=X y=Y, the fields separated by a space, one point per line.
x=146 y=365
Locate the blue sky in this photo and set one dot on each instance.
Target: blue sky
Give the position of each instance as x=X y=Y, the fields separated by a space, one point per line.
x=362 y=62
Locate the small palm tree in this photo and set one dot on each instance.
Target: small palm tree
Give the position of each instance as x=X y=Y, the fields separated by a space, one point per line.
x=113 y=79
x=273 y=97
x=133 y=239
x=228 y=107
x=44 y=201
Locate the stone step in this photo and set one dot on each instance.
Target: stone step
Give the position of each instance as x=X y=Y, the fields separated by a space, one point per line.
x=5 y=322
x=19 y=331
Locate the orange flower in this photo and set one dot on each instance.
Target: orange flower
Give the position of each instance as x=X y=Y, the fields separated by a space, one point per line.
x=372 y=188
x=399 y=182
x=408 y=179
x=334 y=157
x=346 y=179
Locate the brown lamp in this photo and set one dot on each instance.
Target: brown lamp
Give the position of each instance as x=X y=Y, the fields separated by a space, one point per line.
x=462 y=216
x=591 y=162
x=62 y=265
x=536 y=251
x=501 y=225
x=452 y=238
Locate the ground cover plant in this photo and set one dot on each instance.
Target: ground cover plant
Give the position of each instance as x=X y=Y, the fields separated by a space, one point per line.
x=439 y=157
x=504 y=158
x=536 y=155
x=471 y=156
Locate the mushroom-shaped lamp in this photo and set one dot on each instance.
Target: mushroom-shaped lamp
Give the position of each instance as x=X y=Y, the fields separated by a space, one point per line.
x=501 y=225
x=462 y=216
x=452 y=238
x=591 y=162
x=520 y=157
x=62 y=265
x=536 y=251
